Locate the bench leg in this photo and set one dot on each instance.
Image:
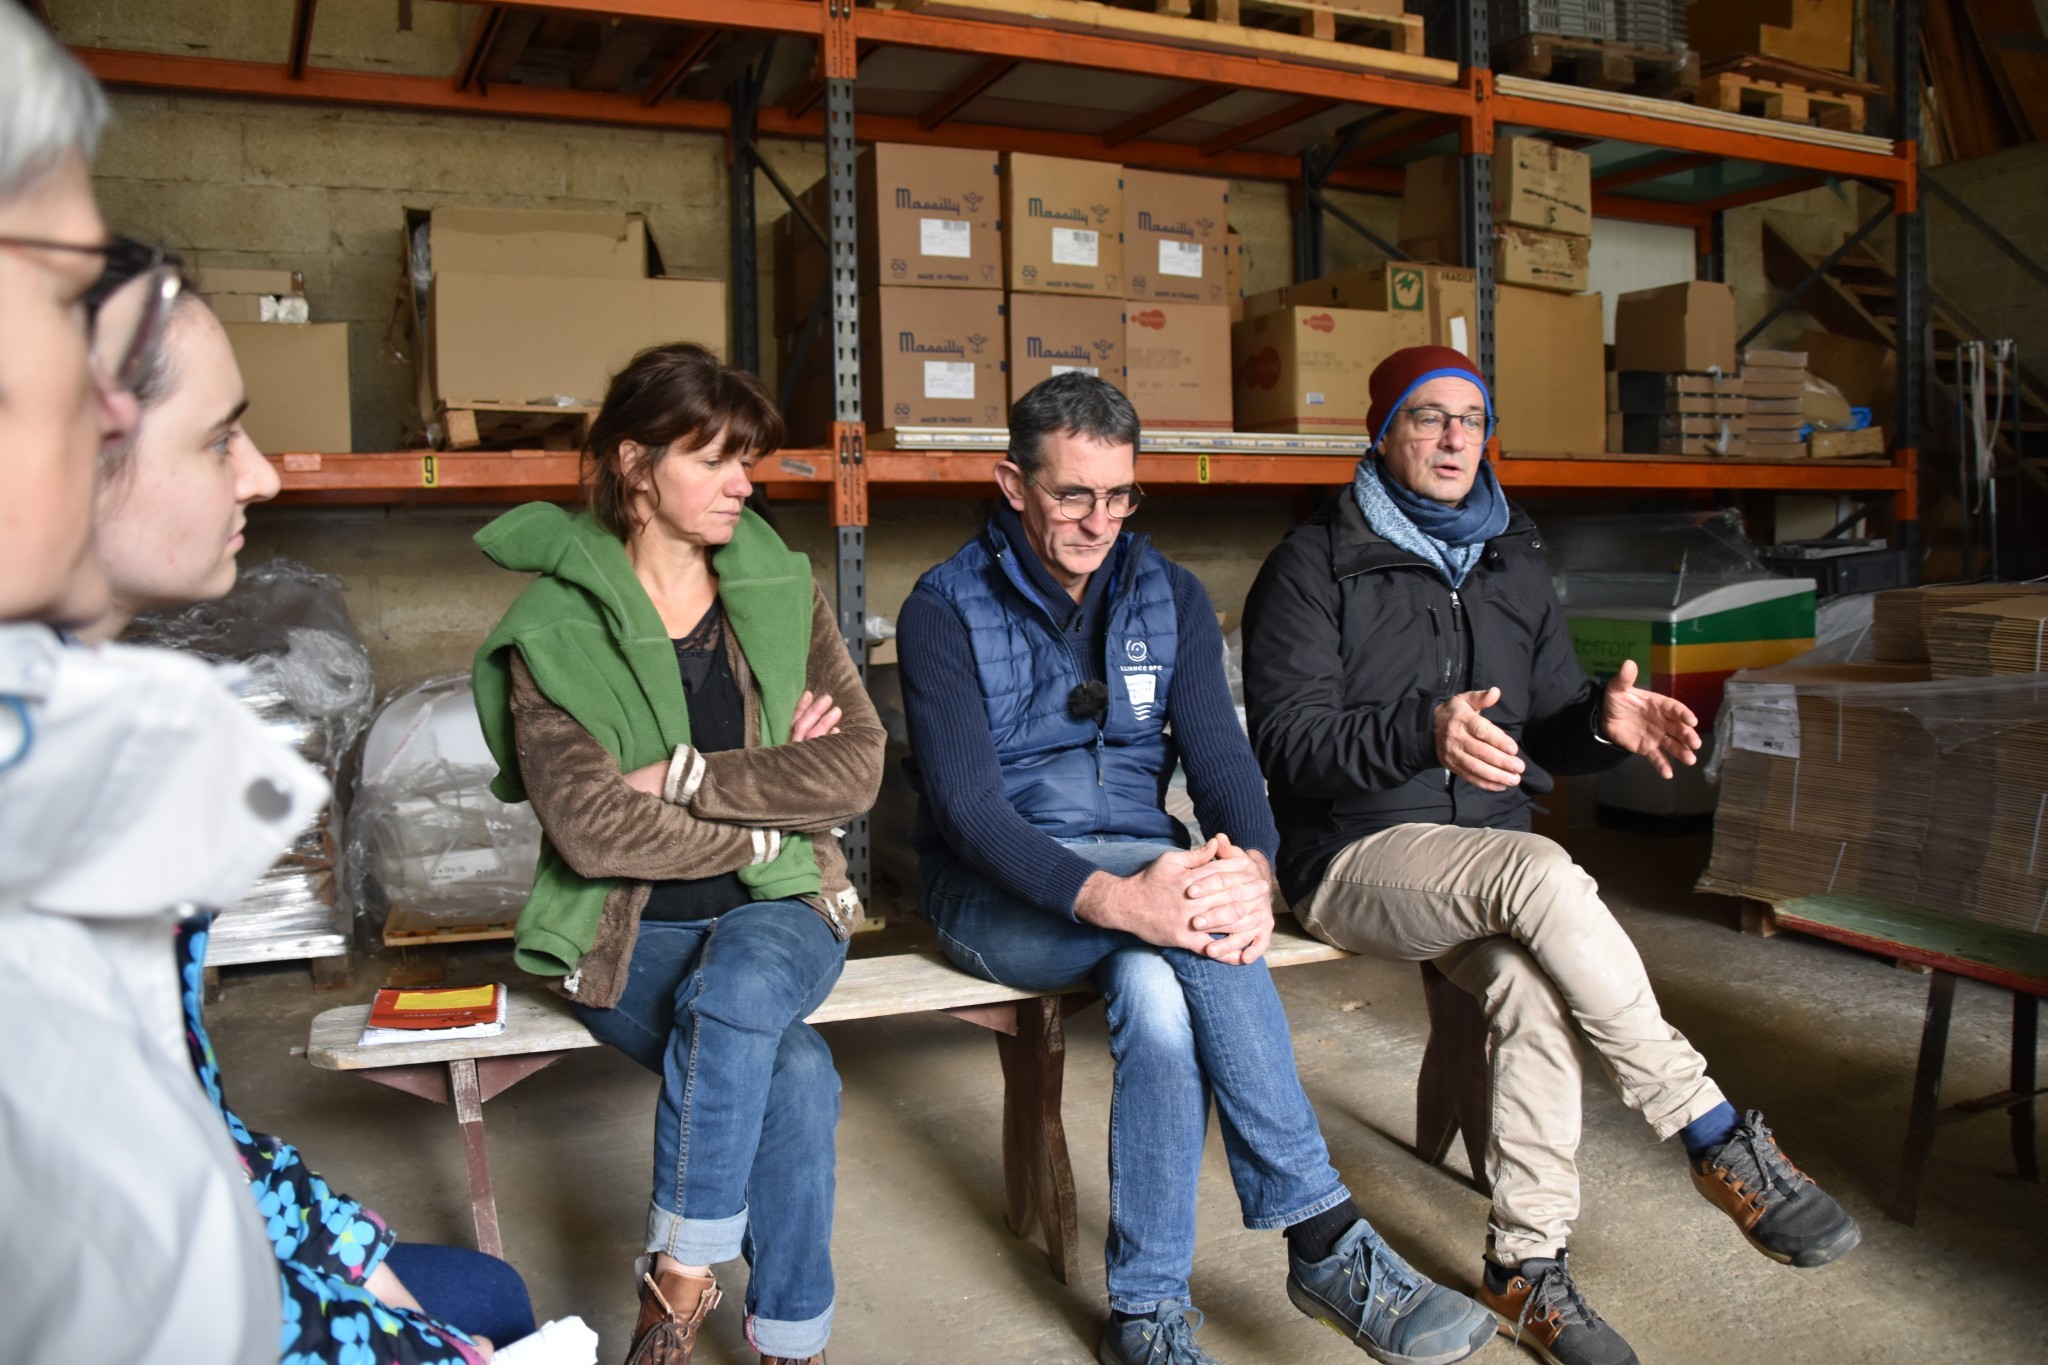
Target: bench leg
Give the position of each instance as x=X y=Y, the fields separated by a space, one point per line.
x=2026 y=1022
x=1038 y=1180
x=1924 y=1116
x=1452 y=1089
x=469 y=1112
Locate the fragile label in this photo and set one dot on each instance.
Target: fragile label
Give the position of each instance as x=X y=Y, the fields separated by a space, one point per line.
x=1766 y=719
x=948 y=379
x=1180 y=258
x=1088 y=370
x=1075 y=246
x=944 y=237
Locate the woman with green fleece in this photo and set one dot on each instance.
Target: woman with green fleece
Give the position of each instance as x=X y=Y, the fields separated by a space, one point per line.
x=673 y=697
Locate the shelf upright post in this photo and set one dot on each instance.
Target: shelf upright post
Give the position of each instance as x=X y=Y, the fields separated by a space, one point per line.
x=1915 y=340
x=1308 y=215
x=1713 y=256
x=1475 y=177
x=839 y=59
x=745 y=99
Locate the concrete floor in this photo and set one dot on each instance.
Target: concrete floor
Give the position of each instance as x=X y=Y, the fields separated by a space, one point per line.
x=1823 y=1040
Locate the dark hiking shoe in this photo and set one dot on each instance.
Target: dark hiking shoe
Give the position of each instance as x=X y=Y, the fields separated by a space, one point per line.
x=1390 y=1310
x=1165 y=1338
x=1541 y=1308
x=1778 y=1207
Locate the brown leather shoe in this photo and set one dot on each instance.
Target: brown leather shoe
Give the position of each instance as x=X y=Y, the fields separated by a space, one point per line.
x=672 y=1308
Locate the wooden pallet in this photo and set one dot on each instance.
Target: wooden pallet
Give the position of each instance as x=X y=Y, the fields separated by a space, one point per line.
x=1600 y=64
x=1372 y=23
x=416 y=928
x=515 y=426
x=1787 y=92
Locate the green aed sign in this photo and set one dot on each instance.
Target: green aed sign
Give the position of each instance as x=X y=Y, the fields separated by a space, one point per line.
x=1603 y=642
x=1409 y=296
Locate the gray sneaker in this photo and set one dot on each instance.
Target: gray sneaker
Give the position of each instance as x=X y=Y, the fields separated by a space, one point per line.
x=1165 y=1338
x=1389 y=1309
x=1778 y=1207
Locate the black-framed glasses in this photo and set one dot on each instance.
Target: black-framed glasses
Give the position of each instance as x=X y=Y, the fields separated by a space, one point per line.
x=1432 y=421
x=130 y=305
x=1078 y=504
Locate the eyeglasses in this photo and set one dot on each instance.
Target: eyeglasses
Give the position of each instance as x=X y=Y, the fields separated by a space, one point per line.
x=1430 y=421
x=1078 y=504
x=128 y=318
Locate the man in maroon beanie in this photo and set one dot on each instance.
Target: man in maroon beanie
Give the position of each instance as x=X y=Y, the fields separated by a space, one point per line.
x=1409 y=679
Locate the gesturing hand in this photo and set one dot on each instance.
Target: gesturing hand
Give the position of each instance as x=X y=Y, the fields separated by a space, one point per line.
x=814 y=716
x=1648 y=723
x=1474 y=747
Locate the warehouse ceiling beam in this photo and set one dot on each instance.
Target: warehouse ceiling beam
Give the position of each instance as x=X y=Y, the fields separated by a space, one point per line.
x=302 y=37
x=736 y=56
x=967 y=91
x=627 y=43
x=508 y=45
x=482 y=31
x=1419 y=129
x=1657 y=169
x=1285 y=117
x=693 y=50
x=1761 y=194
x=1159 y=115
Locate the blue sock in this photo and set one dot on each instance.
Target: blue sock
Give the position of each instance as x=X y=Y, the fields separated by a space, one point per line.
x=1709 y=1130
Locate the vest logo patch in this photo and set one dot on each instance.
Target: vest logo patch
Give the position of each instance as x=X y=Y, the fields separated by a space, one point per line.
x=1144 y=692
x=1137 y=651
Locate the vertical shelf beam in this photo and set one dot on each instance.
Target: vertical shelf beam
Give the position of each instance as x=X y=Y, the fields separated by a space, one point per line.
x=1475 y=180
x=839 y=57
x=742 y=158
x=1910 y=328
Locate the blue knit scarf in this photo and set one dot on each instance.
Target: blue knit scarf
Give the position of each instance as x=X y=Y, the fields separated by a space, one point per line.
x=1450 y=538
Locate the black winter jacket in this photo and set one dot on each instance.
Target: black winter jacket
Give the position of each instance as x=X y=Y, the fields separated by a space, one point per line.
x=1350 y=642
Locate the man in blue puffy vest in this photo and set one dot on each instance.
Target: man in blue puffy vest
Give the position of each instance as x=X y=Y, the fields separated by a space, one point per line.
x=1053 y=672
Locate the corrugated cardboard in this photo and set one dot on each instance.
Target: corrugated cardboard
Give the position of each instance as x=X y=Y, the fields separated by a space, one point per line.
x=1233 y=274
x=1429 y=201
x=1177 y=364
x=933 y=358
x=1810 y=32
x=1864 y=371
x=1542 y=260
x=1453 y=307
x=1304 y=369
x=1175 y=237
x=1051 y=335
x=929 y=216
x=1396 y=287
x=212 y=282
x=1539 y=184
x=1836 y=445
x=538 y=338
x=1062 y=225
x=538 y=242
x=803 y=268
x=297 y=380
x=1549 y=378
x=1688 y=326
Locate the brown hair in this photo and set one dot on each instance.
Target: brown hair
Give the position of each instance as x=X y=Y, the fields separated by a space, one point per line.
x=672 y=394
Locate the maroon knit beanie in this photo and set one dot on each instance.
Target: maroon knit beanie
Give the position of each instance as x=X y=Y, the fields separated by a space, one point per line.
x=1401 y=373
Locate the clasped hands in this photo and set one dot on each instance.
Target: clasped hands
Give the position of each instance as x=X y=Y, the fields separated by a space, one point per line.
x=1215 y=899
x=1660 y=728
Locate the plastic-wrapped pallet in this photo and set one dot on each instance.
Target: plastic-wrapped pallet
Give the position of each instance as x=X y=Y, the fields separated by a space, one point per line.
x=287 y=647
x=1512 y=19
x=1655 y=24
x=430 y=850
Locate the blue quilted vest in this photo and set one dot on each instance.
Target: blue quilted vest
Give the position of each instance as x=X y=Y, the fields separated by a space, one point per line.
x=1069 y=777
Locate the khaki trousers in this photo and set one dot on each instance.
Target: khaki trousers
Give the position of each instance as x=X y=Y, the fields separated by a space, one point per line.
x=1512 y=919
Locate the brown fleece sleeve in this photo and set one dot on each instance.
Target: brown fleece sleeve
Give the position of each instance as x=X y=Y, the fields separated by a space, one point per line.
x=812 y=786
x=601 y=826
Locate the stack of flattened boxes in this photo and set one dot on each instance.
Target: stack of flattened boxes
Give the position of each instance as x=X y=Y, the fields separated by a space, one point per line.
x=1774 y=390
x=1676 y=382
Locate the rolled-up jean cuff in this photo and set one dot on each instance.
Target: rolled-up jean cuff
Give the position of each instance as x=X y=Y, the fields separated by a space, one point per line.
x=695 y=1241
x=790 y=1340
x=1274 y=1222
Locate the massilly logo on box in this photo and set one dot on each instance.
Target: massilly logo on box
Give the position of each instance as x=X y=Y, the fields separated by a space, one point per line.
x=907 y=342
x=968 y=204
x=1034 y=207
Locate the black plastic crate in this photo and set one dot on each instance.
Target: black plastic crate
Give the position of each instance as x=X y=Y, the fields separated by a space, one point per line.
x=1840 y=575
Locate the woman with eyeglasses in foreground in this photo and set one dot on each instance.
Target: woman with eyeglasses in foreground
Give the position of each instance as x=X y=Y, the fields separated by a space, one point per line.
x=172 y=507
x=673 y=696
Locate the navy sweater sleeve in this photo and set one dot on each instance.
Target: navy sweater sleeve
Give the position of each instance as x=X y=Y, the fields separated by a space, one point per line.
x=1223 y=777
x=956 y=760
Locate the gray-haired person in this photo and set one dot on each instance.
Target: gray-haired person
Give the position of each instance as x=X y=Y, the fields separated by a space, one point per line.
x=129 y=782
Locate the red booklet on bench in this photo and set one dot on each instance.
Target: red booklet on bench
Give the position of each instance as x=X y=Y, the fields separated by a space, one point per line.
x=451 y=1007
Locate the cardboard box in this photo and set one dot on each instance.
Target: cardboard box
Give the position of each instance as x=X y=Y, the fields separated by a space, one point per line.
x=1864 y=371
x=1788 y=360
x=1542 y=260
x=1177 y=364
x=211 y=282
x=1395 y=287
x=1616 y=433
x=297 y=379
x=1548 y=374
x=1810 y=32
x=537 y=242
x=1062 y=225
x=499 y=339
x=1453 y=307
x=1233 y=273
x=1176 y=231
x=933 y=358
x=1051 y=335
x=1689 y=326
x=1836 y=445
x=1304 y=369
x=1536 y=184
x=928 y=216
x=286 y=308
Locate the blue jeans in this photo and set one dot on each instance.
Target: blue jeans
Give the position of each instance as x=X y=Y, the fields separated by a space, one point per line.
x=480 y=1294
x=1181 y=1027
x=743 y=1148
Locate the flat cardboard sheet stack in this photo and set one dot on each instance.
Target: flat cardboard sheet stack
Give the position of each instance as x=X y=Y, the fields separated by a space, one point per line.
x=1902 y=619
x=1990 y=639
x=1683 y=414
x=1774 y=388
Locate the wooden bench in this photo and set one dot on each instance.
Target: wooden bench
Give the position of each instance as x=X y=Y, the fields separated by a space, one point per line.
x=1030 y=1029
x=1951 y=948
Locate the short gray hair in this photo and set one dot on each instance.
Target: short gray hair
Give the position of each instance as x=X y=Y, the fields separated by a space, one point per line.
x=1075 y=403
x=49 y=105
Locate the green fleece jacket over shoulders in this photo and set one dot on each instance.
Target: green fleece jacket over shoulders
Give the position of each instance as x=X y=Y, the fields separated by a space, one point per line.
x=597 y=648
